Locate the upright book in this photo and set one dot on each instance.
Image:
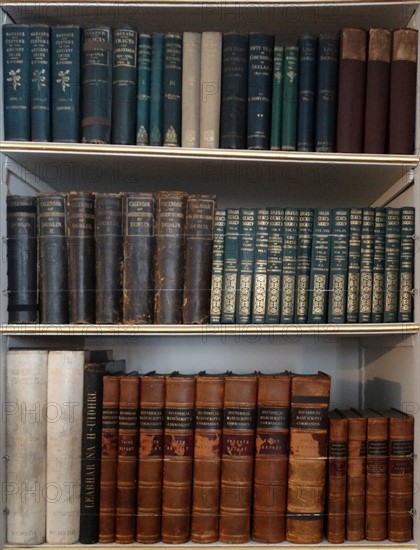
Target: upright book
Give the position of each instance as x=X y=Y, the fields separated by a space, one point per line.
x=308 y=53
x=338 y=266
x=217 y=266
x=277 y=98
x=172 y=89
x=156 y=90
x=259 y=290
x=230 y=269
x=406 y=276
x=290 y=99
x=274 y=264
x=366 y=265
x=392 y=263
x=290 y=250
x=191 y=89
x=378 y=268
x=211 y=74
x=246 y=261
x=144 y=71
x=39 y=37
x=353 y=275
x=303 y=272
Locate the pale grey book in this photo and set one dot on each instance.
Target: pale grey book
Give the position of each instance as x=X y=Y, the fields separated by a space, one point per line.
x=211 y=72
x=191 y=73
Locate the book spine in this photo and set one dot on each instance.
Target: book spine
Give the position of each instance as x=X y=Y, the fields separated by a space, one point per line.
x=144 y=69
x=96 y=65
x=277 y=98
x=290 y=98
x=199 y=229
x=26 y=435
x=65 y=83
x=339 y=265
x=246 y=243
x=290 y=250
x=308 y=50
x=326 y=106
x=211 y=81
x=392 y=263
x=172 y=90
x=378 y=283
x=207 y=459
x=320 y=264
x=238 y=443
x=138 y=254
x=109 y=257
x=81 y=251
x=366 y=265
x=178 y=459
x=230 y=267
x=217 y=266
x=274 y=264
x=353 y=277
x=260 y=88
x=304 y=249
x=124 y=85
x=406 y=277
x=39 y=39
x=169 y=258
x=22 y=259
x=234 y=91
x=156 y=91
x=259 y=291
x=53 y=262
x=191 y=89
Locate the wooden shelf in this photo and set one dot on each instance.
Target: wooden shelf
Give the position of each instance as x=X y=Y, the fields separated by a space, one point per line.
x=250 y=546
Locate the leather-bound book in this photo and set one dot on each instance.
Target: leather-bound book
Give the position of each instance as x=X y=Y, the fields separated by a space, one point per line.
x=230 y=266
x=156 y=90
x=139 y=240
x=308 y=66
x=353 y=275
x=403 y=87
x=22 y=259
x=217 y=266
x=149 y=478
x=392 y=263
x=377 y=91
x=199 y=231
x=310 y=397
x=39 y=38
x=144 y=72
x=274 y=264
x=406 y=281
x=246 y=261
x=81 y=249
x=238 y=444
x=303 y=273
x=172 y=89
x=207 y=458
x=290 y=98
x=271 y=458
x=289 y=260
x=339 y=265
x=211 y=83
x=169 y=257
x=367 y=245
x=277 y=97
x=351 y=91
x=259 y=283
x=178 y=458
x=378 y=269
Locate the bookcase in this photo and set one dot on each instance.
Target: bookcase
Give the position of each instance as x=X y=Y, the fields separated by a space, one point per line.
x=375 y=364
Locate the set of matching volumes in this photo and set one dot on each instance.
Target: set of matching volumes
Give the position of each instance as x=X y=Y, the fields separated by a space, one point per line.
x=294 y=266
x=232 y=90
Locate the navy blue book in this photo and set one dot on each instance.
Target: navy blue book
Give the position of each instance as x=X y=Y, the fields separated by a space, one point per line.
x=406 y=284
x=96 y=84
x=17 y=82
x=234 y=91
x=230 y=268
x=308 y=49
x=65 y=81
x=290 y=252
x=124 y=85
x=378 y=288
x=260 y=89
x=40 y=83
x=144 y=71
x=304 y=251
x=172 y=90
x=156 y=91
x=260 y=270
x=338 y=265
x=247 y=231
x=274 y=264
x=320 y=265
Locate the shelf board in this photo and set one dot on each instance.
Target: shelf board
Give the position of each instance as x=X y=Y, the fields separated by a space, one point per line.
x=249 y=546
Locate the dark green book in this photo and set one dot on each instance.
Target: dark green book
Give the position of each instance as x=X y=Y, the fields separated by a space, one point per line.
x=392 y=263
x=290 y=99
x=156 y=91
x=172 y=89
x=338 y=265
x=247 y=229
x=274 y=264
x=378 y=266
x=305 y=230
x=366 y=265
x=217 y=266
x=144 y=71
x=230 y=268
x=290 y=249
x=320 y=266
x=353 y=277
x=277 y=98
x=40 y=82
x=260 y=270
x=405 y=307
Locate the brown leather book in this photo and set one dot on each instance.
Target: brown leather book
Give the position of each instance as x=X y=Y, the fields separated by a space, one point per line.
x=351 y=91
x=199 y=232
x=207 y=458
x=377 y=91
x=403 y=87
x=337 y=477
x=310 y=399
x=238 y=443
x=178 y=458
x=149 y=495
x=271 y=458
x=128 y=433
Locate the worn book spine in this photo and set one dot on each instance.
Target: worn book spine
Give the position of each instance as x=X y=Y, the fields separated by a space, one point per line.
x=22 y=259
x=260 y=89
x=172 y=90
x=207 y=458
x=290 y=99
x=392 y=263
x=53 y=261
x=199 y=231
x=144 y=71
x=303 y=274
x=138 y=253
x=367 y=242
x=26 y=436
x=178 y=458
x=238 y=443
x=320 y=266
x=353 y=276
x=211 y=82
x=274 y=264
x=406 y=276
x=290 y=250
x=39 y=39
x=230 y=267
x=96 y=84
x=327 y=93
x=65 y=83
x=310 y=397
x=217 y=266
x=339 y=260
x=169 y=257
x=308 y=53
x=109 y=257
x=17 y=82
x=277 y=98
x=402 y=98
x=233 y=107
x=124 y=85
x=377 y=91
x=246 y=260
x=156 y=91
x=81 y=251
x=64 y=445
x=191 y=89
x=150 y=467
x=259 y=290
x=378 y=282
x=271 y=458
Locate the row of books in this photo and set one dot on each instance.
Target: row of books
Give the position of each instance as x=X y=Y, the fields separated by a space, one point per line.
x=211 y=89
x=202 y=457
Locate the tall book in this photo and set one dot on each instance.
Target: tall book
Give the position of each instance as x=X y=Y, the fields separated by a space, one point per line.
x=353 y=276
x=303 y=273
x=366 y=265
x=64 y=445
x=39 y=39
x=308 y=54
x=178 y=458
x=406 y=276
x=290 y=250
x=290 y=99
x=238 y=443
x=144 y=72
x=156 y=91
x=271 y=458
x=217 y=266
x=191 y=89
x=230 y=268
x=246 y=260
x=259 y=290
x=274 y=264
x=277 y=98
x=207 y=458
x=172 y=89
x=310 y=397
x=26 y=437
x=211 y=82
x=378 y=282
x=337 y=299
x=320 y=266
x=22 y=259
x=392 y=263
